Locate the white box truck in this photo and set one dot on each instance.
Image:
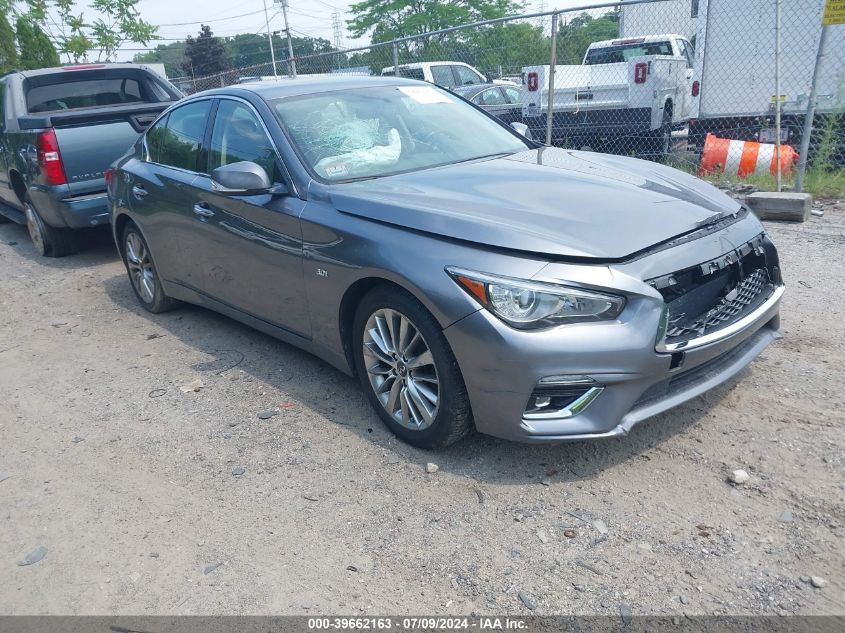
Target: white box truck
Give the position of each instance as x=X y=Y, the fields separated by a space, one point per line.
x=734 y=64
x=627 y=95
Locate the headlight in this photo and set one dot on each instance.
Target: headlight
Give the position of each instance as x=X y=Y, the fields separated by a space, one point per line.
x=532 y=305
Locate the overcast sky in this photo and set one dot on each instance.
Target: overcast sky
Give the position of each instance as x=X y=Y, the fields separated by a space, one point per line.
x=307 y=17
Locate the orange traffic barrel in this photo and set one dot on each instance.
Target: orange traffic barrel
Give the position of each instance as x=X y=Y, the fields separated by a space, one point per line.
x=722 y=155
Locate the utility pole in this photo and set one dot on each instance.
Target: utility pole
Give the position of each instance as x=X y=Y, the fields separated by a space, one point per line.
x=337 y=31
x=778 y=105
x=291 y=63
x=270 y=39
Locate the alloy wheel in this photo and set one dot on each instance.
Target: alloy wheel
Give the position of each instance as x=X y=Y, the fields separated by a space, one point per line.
x=140 y=266
x=33 y=225
x=401 y=370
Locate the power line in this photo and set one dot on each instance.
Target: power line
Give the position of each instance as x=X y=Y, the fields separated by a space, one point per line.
x=231 y=17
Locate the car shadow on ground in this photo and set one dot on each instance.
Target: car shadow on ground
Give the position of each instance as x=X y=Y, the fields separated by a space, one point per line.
x=478 y=457
x=96 y=246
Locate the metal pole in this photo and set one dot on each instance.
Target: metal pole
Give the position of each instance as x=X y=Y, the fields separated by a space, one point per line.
x=777 y=94
x=270 y=39
x=291 y=62
x=550 y=108
x=811 y=112
x=396 y=71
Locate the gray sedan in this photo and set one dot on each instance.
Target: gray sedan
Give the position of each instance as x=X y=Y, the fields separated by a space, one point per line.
x=501 y=100
x=470 y=278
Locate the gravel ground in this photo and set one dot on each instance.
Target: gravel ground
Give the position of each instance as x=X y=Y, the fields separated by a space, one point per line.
x=150 y=500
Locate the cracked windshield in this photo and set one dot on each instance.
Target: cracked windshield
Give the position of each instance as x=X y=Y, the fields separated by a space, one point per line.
x=348 y=135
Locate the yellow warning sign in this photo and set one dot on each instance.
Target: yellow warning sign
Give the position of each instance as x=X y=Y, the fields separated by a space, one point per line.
x=834 y=12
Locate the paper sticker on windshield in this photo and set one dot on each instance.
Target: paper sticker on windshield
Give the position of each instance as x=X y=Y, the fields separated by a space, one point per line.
x=425 y=94
x=338 y=169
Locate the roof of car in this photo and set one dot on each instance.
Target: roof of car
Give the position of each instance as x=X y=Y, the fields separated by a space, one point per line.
x=641 y=39
x=286 y=87
x=474 y=88
x=75 y=67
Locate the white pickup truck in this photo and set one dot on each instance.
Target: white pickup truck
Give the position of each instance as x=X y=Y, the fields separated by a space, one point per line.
x=627 y=96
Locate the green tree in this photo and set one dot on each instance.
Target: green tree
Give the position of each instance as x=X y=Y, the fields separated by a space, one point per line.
x=575 y=36
x=500 y=48
x=205 y=54
x=389 y=19
x=37 y=51
x=8 y=52
x=250 y=49
x=118 y=22
x=172 y=55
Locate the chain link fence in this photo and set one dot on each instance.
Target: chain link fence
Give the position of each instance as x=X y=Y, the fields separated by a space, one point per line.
x=696 y=84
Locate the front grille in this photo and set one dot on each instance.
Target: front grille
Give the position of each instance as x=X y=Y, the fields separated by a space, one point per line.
x=710 y=296
x=733 y=305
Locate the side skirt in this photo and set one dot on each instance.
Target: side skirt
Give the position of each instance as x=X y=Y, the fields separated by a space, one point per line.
x=189 y=295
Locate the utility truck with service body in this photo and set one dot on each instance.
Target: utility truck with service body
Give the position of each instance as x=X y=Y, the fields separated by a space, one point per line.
x=626 y=97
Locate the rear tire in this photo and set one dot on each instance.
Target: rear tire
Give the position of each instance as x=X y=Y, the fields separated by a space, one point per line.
x=408 y=370
x=142 y=272
x=48 y=241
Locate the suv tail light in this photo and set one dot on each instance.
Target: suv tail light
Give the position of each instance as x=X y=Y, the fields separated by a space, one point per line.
x=640 y=72
x=696 y=88
x=49 y=158
x=533 y=82
x=108 y=174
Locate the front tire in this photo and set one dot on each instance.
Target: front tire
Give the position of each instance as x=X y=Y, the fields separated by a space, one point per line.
x=48 y=241
x=408 y=370
x=142 y=272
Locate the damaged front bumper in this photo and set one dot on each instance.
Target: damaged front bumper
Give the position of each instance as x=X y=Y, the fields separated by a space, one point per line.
x=596 y=380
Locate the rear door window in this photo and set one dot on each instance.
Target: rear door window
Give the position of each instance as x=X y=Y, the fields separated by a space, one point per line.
x=467 y=77
x=514 y=95
x=442 y=76
x=491 y=97
x=177 y=140
x=408 y=73
x=622 y=53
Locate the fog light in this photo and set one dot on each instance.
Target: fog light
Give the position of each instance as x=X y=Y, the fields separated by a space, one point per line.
x=559 y=401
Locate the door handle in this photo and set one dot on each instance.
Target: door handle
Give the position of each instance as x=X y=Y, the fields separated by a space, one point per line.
x=139 y=192
x=203 y=211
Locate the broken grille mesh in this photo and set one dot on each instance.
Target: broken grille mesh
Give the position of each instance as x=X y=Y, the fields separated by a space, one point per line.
x=728 y=308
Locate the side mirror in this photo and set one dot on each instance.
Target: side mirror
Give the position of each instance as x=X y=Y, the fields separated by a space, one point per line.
x=522 y=129
x=244 y=178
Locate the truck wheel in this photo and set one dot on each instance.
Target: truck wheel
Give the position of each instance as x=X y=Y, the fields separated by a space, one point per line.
x=657 y=144
x=663 y=142
x=48 y=241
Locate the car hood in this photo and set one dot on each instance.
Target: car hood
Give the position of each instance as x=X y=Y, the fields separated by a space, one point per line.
x=548 y=201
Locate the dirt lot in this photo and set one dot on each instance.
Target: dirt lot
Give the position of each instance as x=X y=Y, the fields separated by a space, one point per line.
x=128 y=482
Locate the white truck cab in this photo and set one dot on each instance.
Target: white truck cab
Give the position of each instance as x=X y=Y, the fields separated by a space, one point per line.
x=632 y=91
